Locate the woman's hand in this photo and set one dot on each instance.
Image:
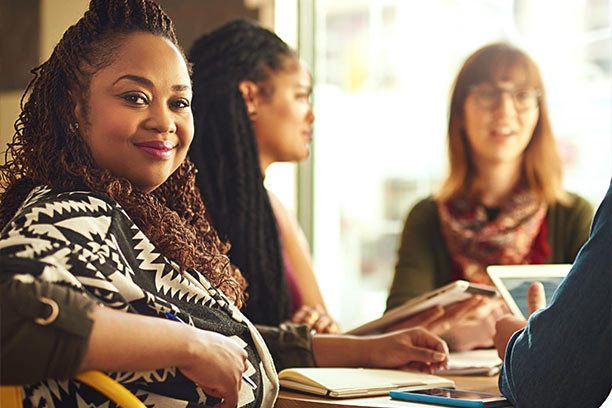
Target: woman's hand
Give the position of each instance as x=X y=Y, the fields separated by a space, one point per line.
x=477 y=328
x=410 y=349
x=438 y=319
x=216 y=366
x=316 y=318
x=122 y=341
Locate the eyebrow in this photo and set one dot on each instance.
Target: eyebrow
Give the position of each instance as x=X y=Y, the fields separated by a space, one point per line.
x=305 y=86
x=148 y=83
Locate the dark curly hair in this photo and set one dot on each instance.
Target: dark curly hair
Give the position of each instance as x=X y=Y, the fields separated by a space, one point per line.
x=47 y=150
x=225 y=152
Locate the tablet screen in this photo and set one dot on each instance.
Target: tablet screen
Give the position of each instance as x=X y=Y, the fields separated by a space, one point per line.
x=518 y=289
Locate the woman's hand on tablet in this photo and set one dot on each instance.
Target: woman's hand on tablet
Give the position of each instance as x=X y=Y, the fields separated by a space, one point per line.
x=440 y=320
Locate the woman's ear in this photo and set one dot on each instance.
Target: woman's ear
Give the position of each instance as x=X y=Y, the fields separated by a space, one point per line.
x=78 y=106
x=249 y=91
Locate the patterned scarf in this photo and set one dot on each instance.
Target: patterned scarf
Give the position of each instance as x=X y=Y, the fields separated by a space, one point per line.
x=475 y=242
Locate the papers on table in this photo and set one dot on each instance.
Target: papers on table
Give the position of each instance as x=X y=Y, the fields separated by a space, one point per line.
x=474 y=362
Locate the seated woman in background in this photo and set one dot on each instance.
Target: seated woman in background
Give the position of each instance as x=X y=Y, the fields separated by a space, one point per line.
x=105 y=242
x=502 y=202
x=252 y=108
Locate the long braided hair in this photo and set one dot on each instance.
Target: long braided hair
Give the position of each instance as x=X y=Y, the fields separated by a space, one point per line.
x=225 y=152
x=46 y=149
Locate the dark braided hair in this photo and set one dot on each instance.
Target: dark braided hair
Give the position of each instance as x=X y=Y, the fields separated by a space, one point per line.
x=47 y=149
x=225 y=152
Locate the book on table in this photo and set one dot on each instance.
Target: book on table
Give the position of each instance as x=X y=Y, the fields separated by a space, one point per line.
x=356 y=382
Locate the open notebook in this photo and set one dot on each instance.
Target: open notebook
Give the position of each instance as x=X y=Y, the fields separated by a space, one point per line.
x=356 y=382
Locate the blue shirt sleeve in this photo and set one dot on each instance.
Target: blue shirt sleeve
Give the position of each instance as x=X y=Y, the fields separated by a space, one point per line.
x=562 y=358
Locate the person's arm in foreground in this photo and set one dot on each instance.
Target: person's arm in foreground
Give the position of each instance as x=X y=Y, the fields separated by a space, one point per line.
x=84 y=336
x=563 y=356
x=129 y=342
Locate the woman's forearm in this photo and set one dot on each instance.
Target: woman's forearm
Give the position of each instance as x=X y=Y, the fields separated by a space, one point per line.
x=340 y=351
x=128 y=342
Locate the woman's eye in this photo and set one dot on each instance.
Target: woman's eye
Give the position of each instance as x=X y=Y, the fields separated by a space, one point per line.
x=523 y=94
x=488 y=93
x=135 y=99
x=181 y=104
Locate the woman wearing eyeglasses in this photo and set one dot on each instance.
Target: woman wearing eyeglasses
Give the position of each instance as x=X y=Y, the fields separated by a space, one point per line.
x=502 y=202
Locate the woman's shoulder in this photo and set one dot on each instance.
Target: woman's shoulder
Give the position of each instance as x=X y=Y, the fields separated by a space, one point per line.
x=46 y=205
x=573 y=204
x=44 y=196
x=425 y=207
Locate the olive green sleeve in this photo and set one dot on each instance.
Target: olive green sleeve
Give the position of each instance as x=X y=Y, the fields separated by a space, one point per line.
x=568 y=228
x=44 y=331
x=423 y=263
x=290 y=345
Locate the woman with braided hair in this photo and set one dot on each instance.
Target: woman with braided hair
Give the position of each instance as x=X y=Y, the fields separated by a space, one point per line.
x=252 y=108
x=100 y=217
x=105 y=247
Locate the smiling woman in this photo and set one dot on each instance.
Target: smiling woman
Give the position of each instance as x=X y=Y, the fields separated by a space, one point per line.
x=100 y=149
x=502 y=202
x=138 y=121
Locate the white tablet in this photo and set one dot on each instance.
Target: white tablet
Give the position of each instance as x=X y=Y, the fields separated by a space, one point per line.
x=512 y=282
x=444 y=296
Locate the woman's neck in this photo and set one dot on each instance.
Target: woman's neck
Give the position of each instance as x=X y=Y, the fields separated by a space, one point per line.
x=494 y=182
x=264 y=163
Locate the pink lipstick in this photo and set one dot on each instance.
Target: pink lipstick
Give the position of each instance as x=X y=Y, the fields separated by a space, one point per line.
x=160 y=149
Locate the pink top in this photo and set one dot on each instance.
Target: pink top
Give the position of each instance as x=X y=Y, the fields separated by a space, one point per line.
x=292 y=284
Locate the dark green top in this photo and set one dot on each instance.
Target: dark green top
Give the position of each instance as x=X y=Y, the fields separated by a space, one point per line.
x=424 y=262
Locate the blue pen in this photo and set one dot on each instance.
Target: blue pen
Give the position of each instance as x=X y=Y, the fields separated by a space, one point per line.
x=245 y=378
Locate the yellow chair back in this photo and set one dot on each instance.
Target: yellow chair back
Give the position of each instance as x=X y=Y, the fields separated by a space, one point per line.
x=11 y=395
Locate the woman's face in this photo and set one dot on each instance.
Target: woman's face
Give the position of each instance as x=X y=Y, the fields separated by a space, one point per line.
x=138 y=122
x=283 y=120
x=499 y=120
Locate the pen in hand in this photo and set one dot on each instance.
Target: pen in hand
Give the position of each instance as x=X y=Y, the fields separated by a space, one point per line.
x=245 y=377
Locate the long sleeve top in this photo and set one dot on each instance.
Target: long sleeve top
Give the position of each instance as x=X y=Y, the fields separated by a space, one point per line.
x=86 y=242
x=424 y=261
x=562 y=358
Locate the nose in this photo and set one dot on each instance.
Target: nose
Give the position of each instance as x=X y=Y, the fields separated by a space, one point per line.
x=161 y=119
x=310 y=116
x=506 y=104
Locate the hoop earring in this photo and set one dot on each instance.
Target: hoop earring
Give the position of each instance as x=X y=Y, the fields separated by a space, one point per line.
x=73 y=127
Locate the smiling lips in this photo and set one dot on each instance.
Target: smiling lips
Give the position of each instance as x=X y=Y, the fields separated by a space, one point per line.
x=502 y=132
x=160 y=149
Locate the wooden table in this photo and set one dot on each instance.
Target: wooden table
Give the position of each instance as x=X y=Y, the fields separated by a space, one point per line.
x=287 y=399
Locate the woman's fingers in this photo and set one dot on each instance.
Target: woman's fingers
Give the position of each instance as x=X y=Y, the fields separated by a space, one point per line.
x=423 y=319
x=316 y=318
x=455 y=314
